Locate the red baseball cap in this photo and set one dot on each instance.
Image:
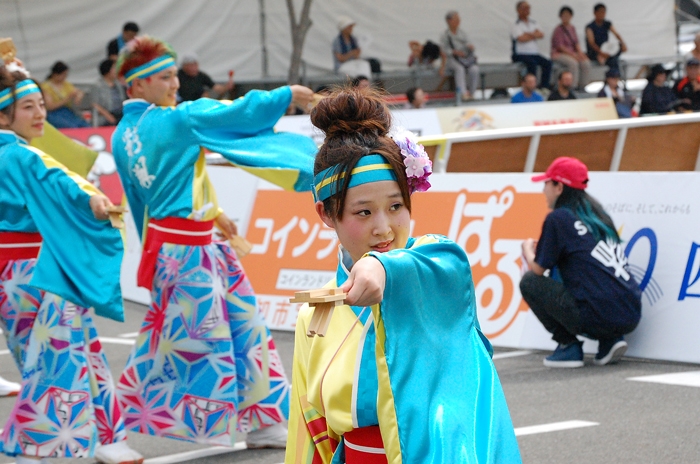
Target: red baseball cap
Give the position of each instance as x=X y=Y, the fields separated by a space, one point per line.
x=568 y=171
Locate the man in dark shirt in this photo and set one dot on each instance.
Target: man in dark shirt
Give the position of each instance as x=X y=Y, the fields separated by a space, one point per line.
x=129 y=31
x=597 y=34
x=563 y=90
x=688 y=88
x=196 y=84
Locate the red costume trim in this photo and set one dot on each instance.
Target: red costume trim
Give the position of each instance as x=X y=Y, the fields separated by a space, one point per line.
x=178 y=231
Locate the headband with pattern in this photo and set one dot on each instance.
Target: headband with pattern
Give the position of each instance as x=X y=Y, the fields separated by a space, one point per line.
x=22 y=89
x=148 y=69
x=375 y=168
x=370 y=168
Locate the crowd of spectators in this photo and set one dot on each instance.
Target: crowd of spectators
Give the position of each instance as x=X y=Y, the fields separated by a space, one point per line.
x=456 y=53
x=63 y=99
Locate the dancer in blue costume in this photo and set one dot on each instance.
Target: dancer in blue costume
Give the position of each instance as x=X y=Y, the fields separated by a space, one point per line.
x=50 y=248
x=403 y=373
x=204 y=363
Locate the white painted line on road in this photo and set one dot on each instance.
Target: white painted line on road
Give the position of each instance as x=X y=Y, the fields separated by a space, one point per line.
x=4 y=352
x=129 y=335
x=192 y=455
x=511 y=354
x=117 y=341
x=553 y=427
x=685 y=379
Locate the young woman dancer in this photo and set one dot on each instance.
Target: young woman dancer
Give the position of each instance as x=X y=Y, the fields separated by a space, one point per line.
x=403 y=373
x=204 y=362
x=596 y=295
x=56 y=260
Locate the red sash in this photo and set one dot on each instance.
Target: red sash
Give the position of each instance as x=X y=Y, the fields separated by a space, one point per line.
x=364 y=446
x=18 y=245
x=174 y=230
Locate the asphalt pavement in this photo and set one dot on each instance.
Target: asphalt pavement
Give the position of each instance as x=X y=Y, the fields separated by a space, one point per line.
x=591 y=415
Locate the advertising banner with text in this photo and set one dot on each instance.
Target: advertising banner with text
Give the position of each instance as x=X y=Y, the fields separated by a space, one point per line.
x=489 y=216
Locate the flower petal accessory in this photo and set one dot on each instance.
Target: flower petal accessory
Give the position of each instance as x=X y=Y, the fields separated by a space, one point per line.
x=418 y=165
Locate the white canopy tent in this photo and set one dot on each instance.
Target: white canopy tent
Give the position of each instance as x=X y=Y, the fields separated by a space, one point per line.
x=226 y=34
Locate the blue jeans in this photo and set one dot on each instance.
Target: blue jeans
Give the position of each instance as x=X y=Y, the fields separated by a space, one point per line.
x=532 y=62
x=64 y=118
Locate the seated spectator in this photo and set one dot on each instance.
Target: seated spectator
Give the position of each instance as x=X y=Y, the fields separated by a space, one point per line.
x=424 y=55
x=61 y=98
x=460 y=56
x=416 y=98
x=108 y=95
x=600 y=48
x=564 y=85
x=613 y=89
x=196 y=84
x=688 y=89
x=657 y=98
x=524 y=34
x=346 y=51
x=129 y=31
x=529 y=93
x=567 y=51
x=593 y=293
x=361 y=82
x=695 y=52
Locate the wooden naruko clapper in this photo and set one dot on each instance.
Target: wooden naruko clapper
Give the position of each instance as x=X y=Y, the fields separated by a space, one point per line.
x=115 y=215
x=323 y=301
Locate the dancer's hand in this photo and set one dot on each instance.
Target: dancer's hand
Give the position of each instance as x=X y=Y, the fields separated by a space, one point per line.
x=99 y=205
x=301 y=95
x=226 y=226
x=365 y=285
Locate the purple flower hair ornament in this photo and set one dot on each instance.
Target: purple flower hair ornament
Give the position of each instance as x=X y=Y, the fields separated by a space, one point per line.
x=418 y=165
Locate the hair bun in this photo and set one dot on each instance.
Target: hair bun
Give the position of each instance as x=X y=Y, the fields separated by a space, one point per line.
x=351 y=112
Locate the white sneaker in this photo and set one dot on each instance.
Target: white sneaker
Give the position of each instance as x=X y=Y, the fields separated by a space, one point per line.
x=8 y=388
x=274 y=436
x=117 y=453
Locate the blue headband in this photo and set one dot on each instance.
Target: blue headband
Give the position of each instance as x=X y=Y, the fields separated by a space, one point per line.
x=370 y=168
x=22 y=89
x=148 y=69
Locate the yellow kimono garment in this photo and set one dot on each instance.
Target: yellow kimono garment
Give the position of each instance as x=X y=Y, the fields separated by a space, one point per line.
x=417 y=365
